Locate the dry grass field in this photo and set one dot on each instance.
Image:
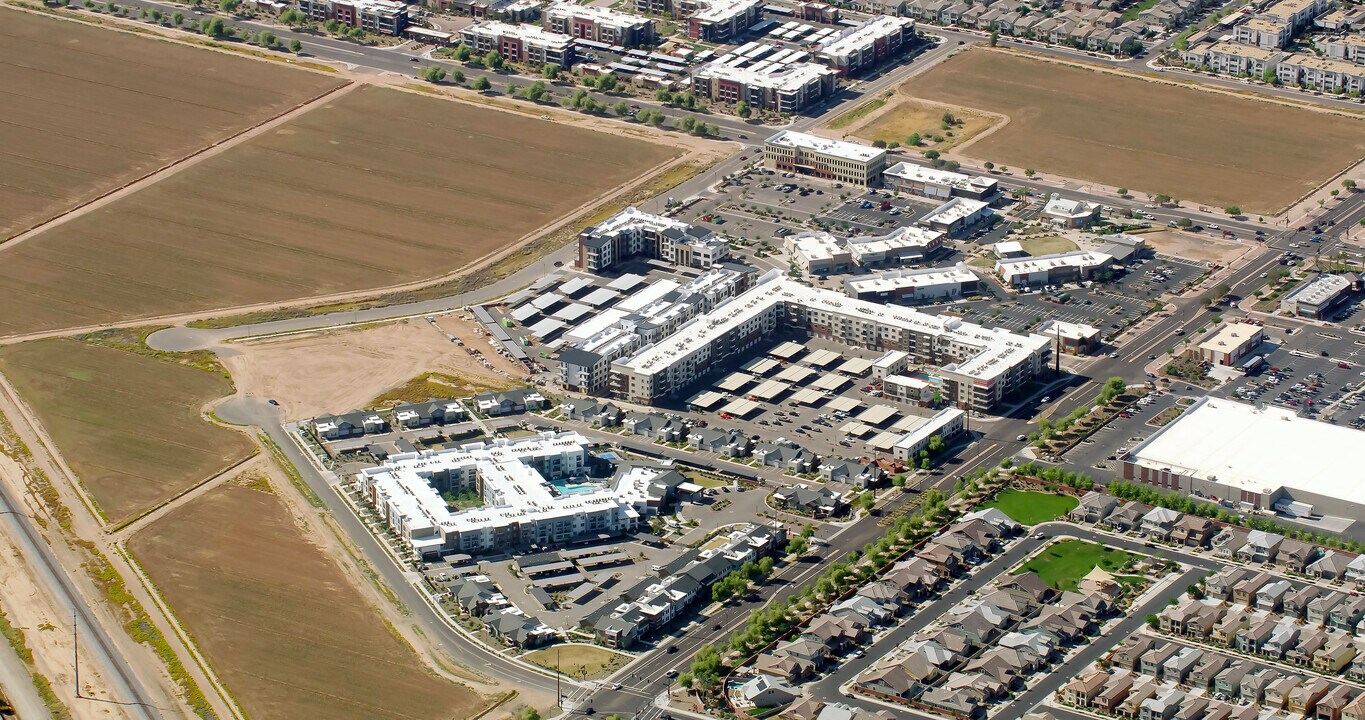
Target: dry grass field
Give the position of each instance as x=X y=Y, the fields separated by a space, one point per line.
x=375 y=188
x=906 y=116
x=84 y=110
x=1204 y=147
x=128 y=424
x=281 y=624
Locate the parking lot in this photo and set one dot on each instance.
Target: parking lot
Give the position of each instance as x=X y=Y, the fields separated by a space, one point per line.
x=1316 y=371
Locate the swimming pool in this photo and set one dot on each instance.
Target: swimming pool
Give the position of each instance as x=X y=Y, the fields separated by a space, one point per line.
x=567 y=488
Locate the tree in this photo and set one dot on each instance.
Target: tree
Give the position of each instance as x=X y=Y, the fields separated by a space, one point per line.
x=765 y=567
x=924 y=464
x=512 y=88
x=295 y=46
x=913 y=140
x=935 y=444
x=621 y=109
x=463 y=53
x=1152 y=621
x=228 y=6
x=332 y=26
x=797 y=546
x=663 y=96
x=607 y=82
x=1349 y=184
x=178 y=18
x=1162 y=199
x=1130 y=46
x=898 y=480
x=1123 y=192
x=989 y=166
x=525 y=713
x=743 y=110
x=931 y=154
x=685 y=680
x=1030 y=172
x=550 y=71
x=1184 y=222
x=492 y=59
x=878 y=143
x=1270 y=76
x=213 y=27
x=457 y=76
x=995 y=38
x=434 y=74
x=1233 y=210
x=481 y=83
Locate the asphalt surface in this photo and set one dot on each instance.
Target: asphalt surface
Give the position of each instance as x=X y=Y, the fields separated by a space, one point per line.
x=827 y=688
x=126 y=691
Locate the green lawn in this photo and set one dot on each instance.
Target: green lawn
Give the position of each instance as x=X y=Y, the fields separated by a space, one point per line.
x=1063 y=564
x=1031 y=508
x=1047 y=245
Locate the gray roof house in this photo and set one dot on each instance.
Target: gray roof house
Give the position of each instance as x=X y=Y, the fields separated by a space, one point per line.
x=1094 y=506
x=815 y=501
x=859 y=475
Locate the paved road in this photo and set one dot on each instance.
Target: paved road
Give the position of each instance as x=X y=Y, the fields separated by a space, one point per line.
x=254 y=412
x=827 y=688
x=94 y=641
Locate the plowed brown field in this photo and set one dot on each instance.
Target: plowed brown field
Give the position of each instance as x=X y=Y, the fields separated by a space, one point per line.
x=374 y=188
x=84 y=110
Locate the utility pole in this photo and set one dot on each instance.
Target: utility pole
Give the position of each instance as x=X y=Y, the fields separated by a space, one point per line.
x=76 y=653
x=559 y=694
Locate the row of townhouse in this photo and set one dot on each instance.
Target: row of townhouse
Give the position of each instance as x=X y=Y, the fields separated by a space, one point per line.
x=655 y=601
x=1261 y=632
x=1325 y=74
x=477 y=596
x=409 y=416
x=1216 y=688
x=1310 y=604
x=1161 y=524
x=987 y=647
x=1092 y=28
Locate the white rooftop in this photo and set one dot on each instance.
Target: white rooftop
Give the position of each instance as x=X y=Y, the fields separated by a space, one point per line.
x=1042 y=263
x=825 y=146
x=1259 y=450
x=528 y=33
x=911 y=172
x=781 y=78
x=865 y=35
x=899 y=279
x=955 y=210
x=723 y=10
x=1320 y=290
x=1068 y=330
x=600 y=15
x=1058 y=207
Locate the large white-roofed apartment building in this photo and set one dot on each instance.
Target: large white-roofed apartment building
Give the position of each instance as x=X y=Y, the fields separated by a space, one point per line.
x=535 y=492
x=635 y=233
x=867 y=45
x=824 y=158
x=780 y=87
x=723 y=20
x=1256 y=457
x=600 y=24
x=520 y=43
x=976 y=366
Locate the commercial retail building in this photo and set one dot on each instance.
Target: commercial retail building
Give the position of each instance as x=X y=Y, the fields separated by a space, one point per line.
x=830 y=159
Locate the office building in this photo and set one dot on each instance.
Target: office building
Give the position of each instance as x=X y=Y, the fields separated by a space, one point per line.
x=634 y=233
x=958 y=216
x=818 y=253
x=790 y=151
x=978 y=366
x=907 y=245
x=1071 y=213
x=520 y=43
x=599 y=24
x=910 y=287
x=938 y=184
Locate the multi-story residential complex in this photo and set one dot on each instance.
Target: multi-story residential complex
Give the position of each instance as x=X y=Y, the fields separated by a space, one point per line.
x=654 y=601
x=786 y=87
x=635 y=233
x=867 y=45
x=1226 y=58
x=723 y=20
x=1265 y=33
x=589 y=22
x=1051 y=269
x=1297 y=13
x=938 y=184
x=382 y=17
x=978 y=366
x=1350 y=48
x=520 y=43
x=535 y=492
x=830 y=159
x=1318 y=297
x=909 y=287
x=1319 y=73
x=646 y=317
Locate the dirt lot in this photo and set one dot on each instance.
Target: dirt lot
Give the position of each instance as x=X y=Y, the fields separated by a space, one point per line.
x=343 y=370
x=902 y=116
x=1194 y=246
x=129 y=425
x=373 y=189
x=87 y=114
x=1200 y=146
x=579 y=661
x=282 y=625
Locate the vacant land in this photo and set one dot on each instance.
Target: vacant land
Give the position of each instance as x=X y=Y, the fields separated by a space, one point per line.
x=1048 y=245
x=1063 y=564
x=376 y=188
x=279 y=621
x=342 y=370
x=1194 y=246
x=128 y=424
x=84 y=109
x=578 y=661
x=905 y=117
x=1201 y=146
x=1031 y=508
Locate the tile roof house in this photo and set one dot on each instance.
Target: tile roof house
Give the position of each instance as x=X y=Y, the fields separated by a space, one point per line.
x=593 y=412
x=1193 y=531
x=791 y=458
x=1296 y=602
x=1355 y=570
x=1336 y=655
x=508 y=402
x=1094 y=506
x=818 y=502
x=1127 y=517
x=766 y=691
x=517 y=628
x=1296 y=555
x=1347 y=615
x=1260 y=547
x=1219 y=585
x=1331 y=566
x=859 y=475
x=1225 y=631
x=1320 y=608
x=411 y=416
x=1159 y=521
